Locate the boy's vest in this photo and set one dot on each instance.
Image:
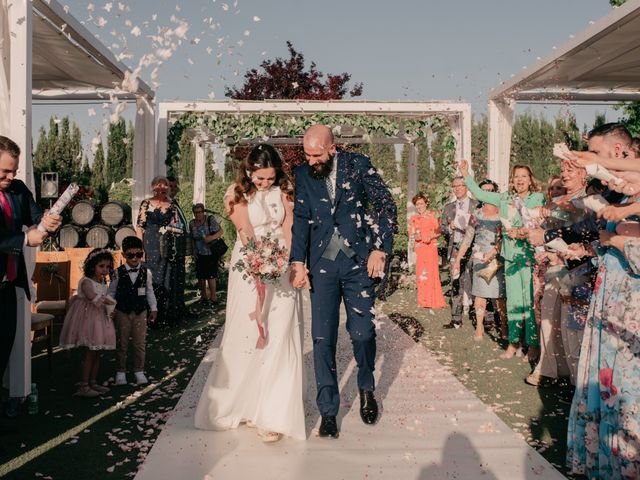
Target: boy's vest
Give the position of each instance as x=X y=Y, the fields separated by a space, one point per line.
x=127 y=298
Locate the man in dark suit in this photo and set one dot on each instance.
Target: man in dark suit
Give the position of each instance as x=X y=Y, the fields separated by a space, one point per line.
x=453 y=224
x=17 y=209
x=343 y=226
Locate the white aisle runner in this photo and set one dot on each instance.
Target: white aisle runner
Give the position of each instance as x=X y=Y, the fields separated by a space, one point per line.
x=431 y=427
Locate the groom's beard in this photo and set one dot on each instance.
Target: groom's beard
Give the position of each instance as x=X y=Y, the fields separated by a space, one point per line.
x=320 y=171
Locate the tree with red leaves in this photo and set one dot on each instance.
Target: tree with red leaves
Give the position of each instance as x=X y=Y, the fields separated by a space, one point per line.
x=281 y=79
x=287 y=79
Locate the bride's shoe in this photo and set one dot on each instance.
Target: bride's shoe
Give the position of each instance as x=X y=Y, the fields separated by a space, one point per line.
x=270 y=437
x=250 y=424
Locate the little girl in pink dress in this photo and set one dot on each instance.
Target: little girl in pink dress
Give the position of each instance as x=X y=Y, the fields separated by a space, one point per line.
x=88 y=321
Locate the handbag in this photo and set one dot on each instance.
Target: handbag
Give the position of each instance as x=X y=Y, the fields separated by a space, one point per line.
x=218 y=247
x=490 y=271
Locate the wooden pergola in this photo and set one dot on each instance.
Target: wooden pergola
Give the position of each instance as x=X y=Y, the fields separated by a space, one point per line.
x=600 y=64
x=49 y=55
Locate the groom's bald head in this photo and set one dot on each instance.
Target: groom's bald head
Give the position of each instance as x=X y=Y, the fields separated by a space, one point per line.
x=318 y=144
x=319 y=150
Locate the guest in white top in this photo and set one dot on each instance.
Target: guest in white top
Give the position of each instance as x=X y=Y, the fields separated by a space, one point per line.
x=453 y=225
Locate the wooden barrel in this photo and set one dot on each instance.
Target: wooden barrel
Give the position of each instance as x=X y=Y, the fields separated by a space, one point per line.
x=82 y=213
x=115 y=213
x=99 y=236
x=124 y=232
x=70 y=236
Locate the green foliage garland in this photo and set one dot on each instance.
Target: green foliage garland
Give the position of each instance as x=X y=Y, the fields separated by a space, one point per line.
x=235 y=128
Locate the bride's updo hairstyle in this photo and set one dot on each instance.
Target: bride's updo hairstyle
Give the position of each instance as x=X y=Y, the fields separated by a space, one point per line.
x=261 y=156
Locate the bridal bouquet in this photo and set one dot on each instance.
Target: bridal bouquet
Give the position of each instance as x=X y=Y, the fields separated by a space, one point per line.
x=263 y=258
x=266 y=260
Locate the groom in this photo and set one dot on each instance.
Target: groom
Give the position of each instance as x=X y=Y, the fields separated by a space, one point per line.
x=343 y=226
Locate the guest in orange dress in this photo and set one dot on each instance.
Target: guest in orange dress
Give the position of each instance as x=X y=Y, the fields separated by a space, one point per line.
x=424 y=228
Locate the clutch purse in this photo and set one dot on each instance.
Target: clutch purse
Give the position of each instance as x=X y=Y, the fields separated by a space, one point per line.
x=490 y=271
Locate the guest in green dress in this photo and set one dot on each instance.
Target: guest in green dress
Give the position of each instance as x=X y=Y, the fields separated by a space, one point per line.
x=518 y=254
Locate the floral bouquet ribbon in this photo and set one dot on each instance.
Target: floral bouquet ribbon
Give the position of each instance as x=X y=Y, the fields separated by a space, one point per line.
x=265 y=260
x=261 y=289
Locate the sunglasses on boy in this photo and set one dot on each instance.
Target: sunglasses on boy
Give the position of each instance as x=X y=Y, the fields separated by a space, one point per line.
x=133 y=255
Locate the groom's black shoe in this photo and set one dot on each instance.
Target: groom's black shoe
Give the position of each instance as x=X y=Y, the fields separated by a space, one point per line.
x=368 y=407
x=329 y=427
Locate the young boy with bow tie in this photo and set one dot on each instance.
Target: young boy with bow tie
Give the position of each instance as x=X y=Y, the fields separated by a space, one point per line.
x=135 y=303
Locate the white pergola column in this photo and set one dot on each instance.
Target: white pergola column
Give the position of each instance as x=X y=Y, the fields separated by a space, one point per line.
x=455 y=125
x=5 y=68
x=161 y=139
x=200 y=173
x=500 y=129
x=20 y=49
x=219 y=157
x=143 y=153
x=151 y=158
x=412 y=189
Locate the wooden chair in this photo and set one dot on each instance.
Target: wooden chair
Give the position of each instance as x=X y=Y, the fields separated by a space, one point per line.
x=43 y=322
x=52 y=288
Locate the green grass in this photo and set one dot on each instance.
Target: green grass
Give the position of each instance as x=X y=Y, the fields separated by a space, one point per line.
x=117 y=437
x=539 y=415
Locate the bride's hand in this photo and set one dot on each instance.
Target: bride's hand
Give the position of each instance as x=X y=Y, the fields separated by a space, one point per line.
x=298 y=276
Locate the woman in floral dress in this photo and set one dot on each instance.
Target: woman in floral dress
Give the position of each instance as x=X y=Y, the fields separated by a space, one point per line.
x=604 y=433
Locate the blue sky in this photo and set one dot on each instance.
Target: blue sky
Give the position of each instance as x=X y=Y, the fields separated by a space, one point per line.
x=403 y=50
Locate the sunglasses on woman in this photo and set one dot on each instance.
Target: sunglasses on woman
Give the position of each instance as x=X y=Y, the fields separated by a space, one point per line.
x=131 y=256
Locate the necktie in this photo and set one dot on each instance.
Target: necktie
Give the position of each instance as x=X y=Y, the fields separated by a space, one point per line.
x=330 y=188
x=133 y=270
x=12 y=265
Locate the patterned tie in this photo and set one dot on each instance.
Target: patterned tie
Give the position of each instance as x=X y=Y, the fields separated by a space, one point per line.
x=330 y=188
x=12 y=264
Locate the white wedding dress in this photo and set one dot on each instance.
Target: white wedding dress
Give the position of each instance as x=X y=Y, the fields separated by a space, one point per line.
x=263 y=386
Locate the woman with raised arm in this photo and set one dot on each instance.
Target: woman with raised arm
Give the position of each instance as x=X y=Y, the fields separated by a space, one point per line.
x=484 y=235
x=515 y=206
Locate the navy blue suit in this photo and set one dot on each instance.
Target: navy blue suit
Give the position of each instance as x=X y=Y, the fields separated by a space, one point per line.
x=365 y=215
x=25 y=212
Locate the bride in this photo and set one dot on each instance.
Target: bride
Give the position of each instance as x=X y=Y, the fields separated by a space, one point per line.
x=261 y=387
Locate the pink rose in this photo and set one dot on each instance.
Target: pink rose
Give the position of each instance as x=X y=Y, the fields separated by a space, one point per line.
x=632 y=326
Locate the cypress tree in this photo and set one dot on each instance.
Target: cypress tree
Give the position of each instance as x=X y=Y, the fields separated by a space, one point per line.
x=116 y=161
x=64 y=159
x=76 y=149
x=98 y=174
x=129 y=149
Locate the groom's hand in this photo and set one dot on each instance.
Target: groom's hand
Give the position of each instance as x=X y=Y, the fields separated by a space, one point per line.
x=298 y=276
x=375 y=264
